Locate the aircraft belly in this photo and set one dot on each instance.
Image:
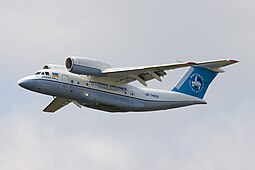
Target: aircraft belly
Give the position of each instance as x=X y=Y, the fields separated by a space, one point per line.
x=107 y=101
x=99 y=99
x=152 y=105
x=86 y=96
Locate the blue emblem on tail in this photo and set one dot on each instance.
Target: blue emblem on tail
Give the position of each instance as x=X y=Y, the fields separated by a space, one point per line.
x=195 y=82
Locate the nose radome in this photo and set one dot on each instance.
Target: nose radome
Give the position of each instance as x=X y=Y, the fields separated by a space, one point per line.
x=27 y=83
x=21 y=82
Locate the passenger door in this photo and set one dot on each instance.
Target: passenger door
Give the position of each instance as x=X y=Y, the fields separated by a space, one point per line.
x=65 y=83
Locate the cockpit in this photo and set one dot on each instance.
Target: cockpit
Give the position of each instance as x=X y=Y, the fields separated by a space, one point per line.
x=42 y=73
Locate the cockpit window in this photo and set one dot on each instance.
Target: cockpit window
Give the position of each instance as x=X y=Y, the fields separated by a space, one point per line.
x=42 y=73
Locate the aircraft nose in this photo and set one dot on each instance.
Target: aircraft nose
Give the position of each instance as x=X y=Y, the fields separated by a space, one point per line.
x=26 y=83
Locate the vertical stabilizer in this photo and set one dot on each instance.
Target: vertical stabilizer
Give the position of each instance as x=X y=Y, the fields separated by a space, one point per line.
x=197 y=79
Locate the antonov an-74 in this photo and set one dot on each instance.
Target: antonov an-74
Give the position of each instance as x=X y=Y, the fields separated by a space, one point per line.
x=95 y=84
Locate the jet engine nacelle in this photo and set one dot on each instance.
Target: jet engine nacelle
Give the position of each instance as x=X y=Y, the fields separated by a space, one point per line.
x=85 y=66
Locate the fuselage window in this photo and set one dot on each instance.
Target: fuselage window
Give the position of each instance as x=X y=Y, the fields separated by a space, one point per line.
x=78 y=82
x=71 y=81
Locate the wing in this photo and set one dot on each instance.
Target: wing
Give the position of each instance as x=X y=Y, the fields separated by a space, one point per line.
x=56 y=104
x=216 y=65
x=142 y=74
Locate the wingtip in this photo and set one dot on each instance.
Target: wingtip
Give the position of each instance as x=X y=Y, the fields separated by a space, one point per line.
x=233 y=61
x=48 y=112
x=192 y=63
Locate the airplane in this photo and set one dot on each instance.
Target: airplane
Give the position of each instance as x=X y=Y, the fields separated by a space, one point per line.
x=95 y=84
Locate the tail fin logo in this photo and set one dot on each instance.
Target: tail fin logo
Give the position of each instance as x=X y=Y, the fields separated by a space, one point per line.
x=196 y=83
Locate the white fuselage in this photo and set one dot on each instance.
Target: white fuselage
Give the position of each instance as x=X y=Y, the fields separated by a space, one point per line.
x=98 y=93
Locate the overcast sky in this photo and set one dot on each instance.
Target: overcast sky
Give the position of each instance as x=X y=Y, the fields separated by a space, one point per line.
x=219 y=135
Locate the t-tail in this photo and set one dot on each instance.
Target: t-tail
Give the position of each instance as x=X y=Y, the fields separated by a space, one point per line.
x=197 y=79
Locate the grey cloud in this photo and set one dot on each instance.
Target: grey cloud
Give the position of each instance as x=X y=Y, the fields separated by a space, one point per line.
x=176 y=139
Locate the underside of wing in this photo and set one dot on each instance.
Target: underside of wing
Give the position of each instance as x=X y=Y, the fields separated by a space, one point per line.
x=142 y=74
x=56 y=104
x=146 y=73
